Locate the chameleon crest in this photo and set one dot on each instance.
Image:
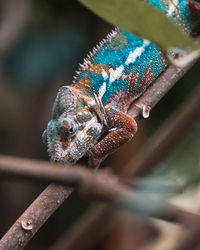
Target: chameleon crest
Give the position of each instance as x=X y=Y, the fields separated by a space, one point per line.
x=90 y=116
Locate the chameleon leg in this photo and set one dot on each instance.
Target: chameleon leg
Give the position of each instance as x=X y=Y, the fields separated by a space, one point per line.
x=122 y=129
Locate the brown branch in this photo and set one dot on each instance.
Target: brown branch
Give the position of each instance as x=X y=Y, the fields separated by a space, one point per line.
x=35 y=211
x=41 y=171
x=101 y=186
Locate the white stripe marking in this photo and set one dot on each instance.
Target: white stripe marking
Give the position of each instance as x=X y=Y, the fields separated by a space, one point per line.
x=102 y=91
x=136 y=53
x=104 y=74
x=172 y=7
x=116 y=74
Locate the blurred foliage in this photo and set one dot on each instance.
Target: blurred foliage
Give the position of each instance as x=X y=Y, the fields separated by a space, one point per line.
x=38 y=57
x=183 y=166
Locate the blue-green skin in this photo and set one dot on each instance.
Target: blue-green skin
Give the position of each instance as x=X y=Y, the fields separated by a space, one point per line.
x=116 y=58
x=104 y=101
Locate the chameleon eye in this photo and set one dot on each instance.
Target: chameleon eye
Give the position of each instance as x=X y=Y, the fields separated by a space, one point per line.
x=66 y=129
x=63 y=102
x=63 y=132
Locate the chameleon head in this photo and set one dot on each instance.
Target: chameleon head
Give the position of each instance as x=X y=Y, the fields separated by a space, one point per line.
x=73 y=128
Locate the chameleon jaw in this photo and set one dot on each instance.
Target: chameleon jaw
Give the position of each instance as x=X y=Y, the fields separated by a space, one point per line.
x=79 y=145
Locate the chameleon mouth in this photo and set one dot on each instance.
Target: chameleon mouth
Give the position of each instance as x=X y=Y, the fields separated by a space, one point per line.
x=77 y=146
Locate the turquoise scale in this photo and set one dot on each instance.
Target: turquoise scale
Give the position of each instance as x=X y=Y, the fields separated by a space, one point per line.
x=115 y=58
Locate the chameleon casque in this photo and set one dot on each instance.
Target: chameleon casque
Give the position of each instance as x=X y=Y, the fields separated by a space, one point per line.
x=90 y=116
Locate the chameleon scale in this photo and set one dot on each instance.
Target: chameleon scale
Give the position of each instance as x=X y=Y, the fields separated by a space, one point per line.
x=90 y=116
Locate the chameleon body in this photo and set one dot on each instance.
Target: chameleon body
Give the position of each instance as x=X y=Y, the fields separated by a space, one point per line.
x=90 y=116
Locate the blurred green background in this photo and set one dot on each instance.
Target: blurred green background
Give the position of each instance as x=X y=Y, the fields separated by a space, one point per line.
x=40 y=56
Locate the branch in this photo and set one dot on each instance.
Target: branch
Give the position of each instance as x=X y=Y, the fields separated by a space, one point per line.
x=37 y=213
x=41 y=171
x=100 y=186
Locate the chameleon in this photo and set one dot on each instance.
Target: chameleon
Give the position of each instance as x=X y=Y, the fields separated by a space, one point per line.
x=89 y=117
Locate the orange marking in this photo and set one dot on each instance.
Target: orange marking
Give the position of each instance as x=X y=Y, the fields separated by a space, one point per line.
x=147 y=78
x=98 y=68
x=84 y=83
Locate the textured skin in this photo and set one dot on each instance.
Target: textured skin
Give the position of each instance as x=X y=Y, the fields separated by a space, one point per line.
x=90 y=117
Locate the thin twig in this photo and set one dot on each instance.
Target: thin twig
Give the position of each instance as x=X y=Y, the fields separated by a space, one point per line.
x=150 y=98
x=42 y=171
x=101 y=186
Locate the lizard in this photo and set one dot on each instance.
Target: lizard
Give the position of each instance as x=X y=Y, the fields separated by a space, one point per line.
x=90 y=116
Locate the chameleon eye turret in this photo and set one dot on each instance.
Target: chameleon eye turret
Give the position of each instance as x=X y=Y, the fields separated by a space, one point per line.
x=65 y=131
x=63 y=102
